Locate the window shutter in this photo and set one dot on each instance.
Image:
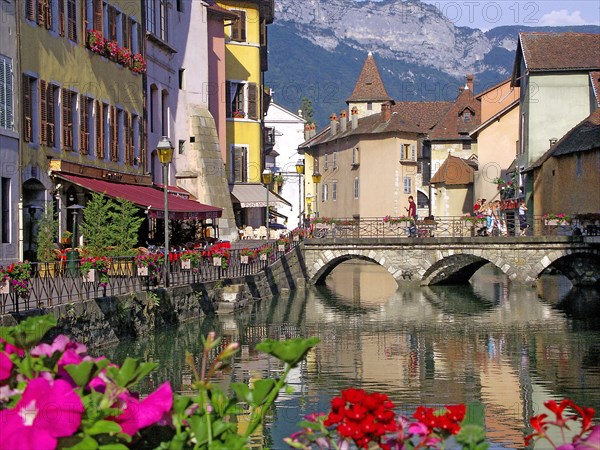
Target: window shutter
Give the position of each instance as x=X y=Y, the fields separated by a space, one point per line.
x=43 y=113
x=252 y=101
x=61 y=17
x=30 y=9
x=112 y=23
x=99 y=131
x=67 y=116
x=126 y=126
x=98 y=15
x=239 y=172
x=72 y=19
x=6 y=87
x=41 y=12
x=126 y=21
x=27 y=109
x=114 y=135
x=238 y=29
x=84 y=126
x=48 y=6
x=51 y=117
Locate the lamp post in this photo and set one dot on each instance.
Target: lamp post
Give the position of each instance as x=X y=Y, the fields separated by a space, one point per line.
x=164 y=149
x=267 y=179
x=72 y=255
x=300 y=172
x=316 y=179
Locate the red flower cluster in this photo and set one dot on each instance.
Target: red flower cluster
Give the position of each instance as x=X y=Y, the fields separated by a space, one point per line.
x=449 y=422
x=540 y=423
x=362 y=417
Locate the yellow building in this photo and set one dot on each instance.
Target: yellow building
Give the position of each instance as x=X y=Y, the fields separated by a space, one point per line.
x=246 y=104
x=82 y=99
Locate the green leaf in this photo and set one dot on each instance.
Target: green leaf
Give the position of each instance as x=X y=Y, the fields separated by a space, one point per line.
x=104 y=427
x=29 y=332
x=87 y=443
x=311 y=425
x=199 y=429
x=113 y=447
x=81 y=373
x=475 y=414
x=261 y=390
x=242 y=391
x=472 y=437
x=290 y=351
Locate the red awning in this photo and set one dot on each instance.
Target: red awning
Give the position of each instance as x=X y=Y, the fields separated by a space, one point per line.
x=148 y=198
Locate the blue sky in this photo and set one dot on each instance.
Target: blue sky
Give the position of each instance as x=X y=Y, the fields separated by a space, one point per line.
x=485 y=14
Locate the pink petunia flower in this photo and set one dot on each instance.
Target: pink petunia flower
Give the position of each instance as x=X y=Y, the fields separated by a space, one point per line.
x=47 y=411
x=140 y=414
x=6 y=366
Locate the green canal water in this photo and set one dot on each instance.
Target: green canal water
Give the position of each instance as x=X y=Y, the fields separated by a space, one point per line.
x=505 y=348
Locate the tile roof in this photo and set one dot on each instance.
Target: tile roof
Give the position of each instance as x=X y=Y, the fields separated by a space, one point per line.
x=585 y=136
x=454 y=171
x=218 y=11
x=451 y=126
x=595 y=80
x=560 y=51
x=369 y=86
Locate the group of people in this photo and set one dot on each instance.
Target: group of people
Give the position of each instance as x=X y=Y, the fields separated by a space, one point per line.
x=495 y=218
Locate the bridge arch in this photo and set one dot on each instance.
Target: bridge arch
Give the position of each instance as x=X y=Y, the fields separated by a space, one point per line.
x=581 y=268
x=453 y=269
x=329 y=261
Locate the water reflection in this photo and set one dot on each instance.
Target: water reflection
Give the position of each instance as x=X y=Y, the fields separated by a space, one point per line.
x=487 y=343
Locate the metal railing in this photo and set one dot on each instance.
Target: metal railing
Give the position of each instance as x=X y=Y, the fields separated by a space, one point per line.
x=63 y=283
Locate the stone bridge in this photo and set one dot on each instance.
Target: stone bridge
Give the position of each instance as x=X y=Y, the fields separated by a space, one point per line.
x=454 y=260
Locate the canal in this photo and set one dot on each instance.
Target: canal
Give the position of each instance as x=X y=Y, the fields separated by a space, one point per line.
x=504 y=348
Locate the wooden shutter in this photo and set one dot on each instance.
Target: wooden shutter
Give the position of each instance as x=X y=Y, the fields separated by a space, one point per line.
x=252 y=101
x=238 y=29
x=67 y=116
x=126 y=25
x=27 y=109
x=84 y=126
x=43 y=113
x=98 y=16
x=41 y=12
x=51 y=116
x=48 y=14
x=30 y=9
x=61 y=17
x=114 y=135
x=112 y=23
x=72 y=19
x=99 y=130
x=239 y=165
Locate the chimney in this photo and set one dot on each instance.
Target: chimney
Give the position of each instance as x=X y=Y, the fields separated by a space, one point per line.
x=354 y=117
x=470 y=82
x=386 y=112
x=333 y=124
x=313 y=130
x=343 y=121
x=307 y=131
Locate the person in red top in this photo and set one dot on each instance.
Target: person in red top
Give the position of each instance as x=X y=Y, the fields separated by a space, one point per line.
x=412 y=208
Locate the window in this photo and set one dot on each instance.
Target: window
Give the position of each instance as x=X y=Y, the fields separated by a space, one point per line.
x=466 y=145
x=98 y=15
x=239 y=164
x=5 y=210
x=44 y=14
x=85 y=105
x=6 y=93
x=164 y=20
x=180 y=5
x=404 y=152
x=111 y=13
x=578 y=165
x=237 y=107
x=325 y=162
x=407 y=185
x=238 y=28
x=356 y=187
x=61 y=17
x=165 y=112
x=324 y=192
x=334 y=190
x=466 y=115
x=29 y=108
x=181 y=72
x=181 y=146
x=151 y=16
x=369 y=106
x=126 y=32
x=335 y=160
x=128 y=138
x=100 y=120
x=72 y=20
x=355 y=156
x=113 y=124
x=68 y=98
x=413 y=152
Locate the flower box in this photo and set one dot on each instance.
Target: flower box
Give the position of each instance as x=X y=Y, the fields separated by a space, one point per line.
x=6 y=288
x=263 y=256
x=552 y=222
x=217 y=261
x=90 y=276
x=186 y=264
x=296 y=238
x=281 y=247
x=142 y=271
x=244 y=259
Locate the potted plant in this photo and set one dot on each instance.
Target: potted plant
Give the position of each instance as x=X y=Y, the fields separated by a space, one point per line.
x=46 y=241
x=189 y=259
x=282 y=244
x=247 y=254
x=264 y=252
x=238 y=114
x=279 y=180
x=551 y=219
x=150 y=265
x=220 y=257
x=17 y=277
x=66 y=237
x=95 y=270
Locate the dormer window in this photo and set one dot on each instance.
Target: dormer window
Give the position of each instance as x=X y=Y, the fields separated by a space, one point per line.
x=466 y=115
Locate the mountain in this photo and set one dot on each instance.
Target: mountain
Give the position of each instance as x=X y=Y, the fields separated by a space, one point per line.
x=317 y=49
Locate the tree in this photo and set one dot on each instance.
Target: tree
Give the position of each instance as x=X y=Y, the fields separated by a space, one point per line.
x=125 y=225
x=47 y=234
x=307 y=110
x=96 y=226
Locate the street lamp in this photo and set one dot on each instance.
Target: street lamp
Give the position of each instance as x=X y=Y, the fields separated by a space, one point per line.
x=300 y=172
x=267 y=179
x=316 y=179
x=72 y=255
x=164 y=149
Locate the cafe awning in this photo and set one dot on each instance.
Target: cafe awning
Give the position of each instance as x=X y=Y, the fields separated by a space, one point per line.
x=147 y=197
x=254 y=195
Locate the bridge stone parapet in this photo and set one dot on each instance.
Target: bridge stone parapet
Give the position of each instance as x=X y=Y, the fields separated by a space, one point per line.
x=454 y=260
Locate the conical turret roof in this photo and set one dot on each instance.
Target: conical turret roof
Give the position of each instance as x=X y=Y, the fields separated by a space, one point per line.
x=369 y=87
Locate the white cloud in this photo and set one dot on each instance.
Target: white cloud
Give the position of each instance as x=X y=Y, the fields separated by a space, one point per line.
x=562 y=17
